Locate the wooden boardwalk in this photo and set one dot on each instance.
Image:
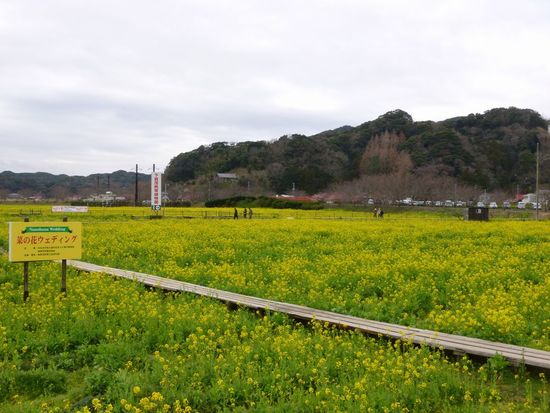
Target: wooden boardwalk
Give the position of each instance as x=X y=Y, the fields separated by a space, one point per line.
x=516 y=355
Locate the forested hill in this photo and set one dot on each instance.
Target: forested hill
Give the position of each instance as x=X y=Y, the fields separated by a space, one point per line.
x=492 y=150
x=65 y=186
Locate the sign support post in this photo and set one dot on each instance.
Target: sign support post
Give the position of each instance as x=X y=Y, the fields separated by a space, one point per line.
x=26 y=275
x=25 y=281
x=64 y=272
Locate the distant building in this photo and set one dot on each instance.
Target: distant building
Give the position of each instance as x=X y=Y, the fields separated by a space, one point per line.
x=531 y=198
x=297 y=198
x=226 y=176
x=37 y=197
x=108 y=198
x=15 y=196
x=485 y=198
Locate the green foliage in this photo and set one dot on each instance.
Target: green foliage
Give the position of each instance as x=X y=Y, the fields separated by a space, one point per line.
x=262 y=202
x=503 y=142
x=230 y=202
x=98 y=381
x=497 y=365
x=214 y=359
x=375 y=166
x=479 y=149
x=112 y=341
x=393 y=121
x=439 y=147
x=310 y=178
x=497 y=118
x=34 y=383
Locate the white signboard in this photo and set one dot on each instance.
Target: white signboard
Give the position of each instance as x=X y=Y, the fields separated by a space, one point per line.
x=65 y=208
x=156 y=191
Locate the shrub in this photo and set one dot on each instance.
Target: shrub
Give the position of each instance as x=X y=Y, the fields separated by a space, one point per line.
x=36 y=383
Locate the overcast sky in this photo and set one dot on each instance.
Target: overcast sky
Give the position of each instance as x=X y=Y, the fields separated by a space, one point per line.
x=97 y=86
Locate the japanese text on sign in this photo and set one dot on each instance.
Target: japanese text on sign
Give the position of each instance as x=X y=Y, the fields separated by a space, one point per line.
x=44 y=241
x=156 y=195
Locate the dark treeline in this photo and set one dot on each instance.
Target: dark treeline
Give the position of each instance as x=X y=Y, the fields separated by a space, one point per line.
x=65 y=186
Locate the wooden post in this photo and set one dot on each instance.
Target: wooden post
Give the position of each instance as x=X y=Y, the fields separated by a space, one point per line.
x=64 y=272
x=26 y=275
x=25 y=280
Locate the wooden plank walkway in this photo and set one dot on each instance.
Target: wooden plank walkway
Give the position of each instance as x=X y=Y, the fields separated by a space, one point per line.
x=516 y=355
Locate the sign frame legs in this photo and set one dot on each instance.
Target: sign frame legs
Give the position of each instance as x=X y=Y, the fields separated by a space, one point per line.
x=26 y=274
x=64 y=272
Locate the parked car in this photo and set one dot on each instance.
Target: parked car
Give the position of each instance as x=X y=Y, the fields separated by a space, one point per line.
x=449 y=203
x=493 y=205
x=506 y=205
x=459 y=203
x=437 y=203
x=521 y=205
x=480 y=204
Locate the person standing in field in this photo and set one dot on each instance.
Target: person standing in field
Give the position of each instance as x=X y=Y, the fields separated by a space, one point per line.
x=249 y=213
x=244 y=213
x=381 y=213
x=375 y=213
x=235 y=214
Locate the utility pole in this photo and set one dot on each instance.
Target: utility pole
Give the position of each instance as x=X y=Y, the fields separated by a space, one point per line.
x=537 y=206
x=455 y=194
x=136 y=193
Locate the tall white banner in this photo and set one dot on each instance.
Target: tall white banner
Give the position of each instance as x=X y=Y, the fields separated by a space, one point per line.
x=156 y=191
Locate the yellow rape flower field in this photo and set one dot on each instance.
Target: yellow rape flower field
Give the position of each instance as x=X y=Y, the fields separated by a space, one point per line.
x=113 y=346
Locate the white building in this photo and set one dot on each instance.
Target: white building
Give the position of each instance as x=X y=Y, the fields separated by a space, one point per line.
x=107 y=198
x=529 y=198
x=226 y=176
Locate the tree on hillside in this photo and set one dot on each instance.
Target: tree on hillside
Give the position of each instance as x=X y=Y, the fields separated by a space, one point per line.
x=382 y=155
x=439 y=146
